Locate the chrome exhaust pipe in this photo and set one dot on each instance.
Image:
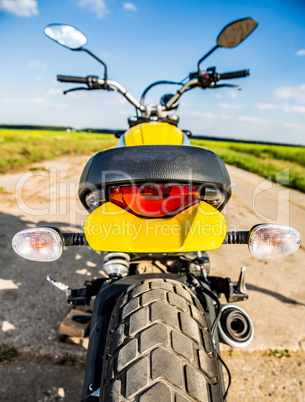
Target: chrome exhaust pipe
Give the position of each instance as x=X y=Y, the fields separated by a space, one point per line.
x=235 y=327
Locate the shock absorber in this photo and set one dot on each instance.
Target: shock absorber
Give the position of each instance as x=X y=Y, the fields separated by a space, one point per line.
x=116 y=264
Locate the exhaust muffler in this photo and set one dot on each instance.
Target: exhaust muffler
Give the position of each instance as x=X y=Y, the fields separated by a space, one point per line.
x=235 y=327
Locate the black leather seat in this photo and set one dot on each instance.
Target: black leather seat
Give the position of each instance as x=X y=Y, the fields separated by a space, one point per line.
x=154 y=163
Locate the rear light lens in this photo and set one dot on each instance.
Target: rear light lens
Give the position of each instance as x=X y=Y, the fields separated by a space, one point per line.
x=38 y=244
x=154 y=200
x=273 y=241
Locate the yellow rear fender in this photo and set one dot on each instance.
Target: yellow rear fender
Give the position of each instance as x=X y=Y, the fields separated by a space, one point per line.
x=111 y=228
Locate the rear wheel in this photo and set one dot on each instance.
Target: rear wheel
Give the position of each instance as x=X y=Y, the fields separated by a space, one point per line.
x=159 y=347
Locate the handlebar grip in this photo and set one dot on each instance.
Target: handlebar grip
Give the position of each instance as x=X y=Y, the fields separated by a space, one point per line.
x=234 y=74
x=70 y=78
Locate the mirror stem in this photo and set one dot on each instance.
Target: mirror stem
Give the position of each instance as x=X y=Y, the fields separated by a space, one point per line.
x=96 y=58
x=205 y=56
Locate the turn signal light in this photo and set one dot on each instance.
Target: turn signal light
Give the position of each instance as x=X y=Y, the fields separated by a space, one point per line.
x=38 y=244
x=273 y=241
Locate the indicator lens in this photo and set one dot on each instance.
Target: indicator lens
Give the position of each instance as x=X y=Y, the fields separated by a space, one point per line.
x=38 y=244
x=273 y=241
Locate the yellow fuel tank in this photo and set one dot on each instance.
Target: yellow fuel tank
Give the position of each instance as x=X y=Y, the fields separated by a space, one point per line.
x=153 y=134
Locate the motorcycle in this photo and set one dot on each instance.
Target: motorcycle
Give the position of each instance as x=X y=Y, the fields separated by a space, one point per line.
x=154 y=206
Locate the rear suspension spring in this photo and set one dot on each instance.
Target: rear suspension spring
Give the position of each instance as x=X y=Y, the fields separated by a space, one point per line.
x=116 y=264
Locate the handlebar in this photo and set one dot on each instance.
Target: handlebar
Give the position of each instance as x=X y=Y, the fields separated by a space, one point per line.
x=191 y=84
x=234 y=74
x=70 y=78
x=208 y=80
x=95 y=82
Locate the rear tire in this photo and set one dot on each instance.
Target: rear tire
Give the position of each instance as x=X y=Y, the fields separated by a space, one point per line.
x=159 y=347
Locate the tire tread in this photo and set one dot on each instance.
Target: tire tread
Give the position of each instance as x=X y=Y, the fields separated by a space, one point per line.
x=159 y=347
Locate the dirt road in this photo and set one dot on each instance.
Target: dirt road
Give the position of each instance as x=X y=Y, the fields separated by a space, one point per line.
x=31 y=309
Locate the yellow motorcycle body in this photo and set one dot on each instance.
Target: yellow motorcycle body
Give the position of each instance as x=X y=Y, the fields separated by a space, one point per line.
x=112 y=228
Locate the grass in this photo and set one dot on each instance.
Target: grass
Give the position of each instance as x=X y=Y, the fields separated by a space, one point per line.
x=7 y=353
x=37 y=168
x=269 y=161
x=280 y=354
x=19 y=148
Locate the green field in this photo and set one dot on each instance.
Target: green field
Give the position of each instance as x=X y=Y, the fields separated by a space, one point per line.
x=20 y=148
x=269 y=161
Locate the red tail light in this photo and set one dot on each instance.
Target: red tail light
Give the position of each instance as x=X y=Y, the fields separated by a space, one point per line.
x=155 y=200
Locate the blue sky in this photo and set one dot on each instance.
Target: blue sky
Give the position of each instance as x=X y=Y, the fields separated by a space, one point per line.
x=143 y=41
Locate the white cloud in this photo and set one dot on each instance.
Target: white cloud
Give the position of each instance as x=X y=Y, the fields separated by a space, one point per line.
x=30 y=94
x=199 y=113
x=38 y=101
x=34 y=101
x=130 y=7
x=12 y=101
x=249 y=119
x=300 y=52
x=266 y=106
x=296 y=92
x=44 y=102
x=293 y=108
x=117 y=101
x=209 y=115
x=184 y=105
x=21 y=8
x=294 y=126
x=246 y=119
x=226 y=117
x=54 y=91
x=232 y=94
x=40 y=65
x=98 y=7
x=123 y=113
x=285 y=107
x=230 y=105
